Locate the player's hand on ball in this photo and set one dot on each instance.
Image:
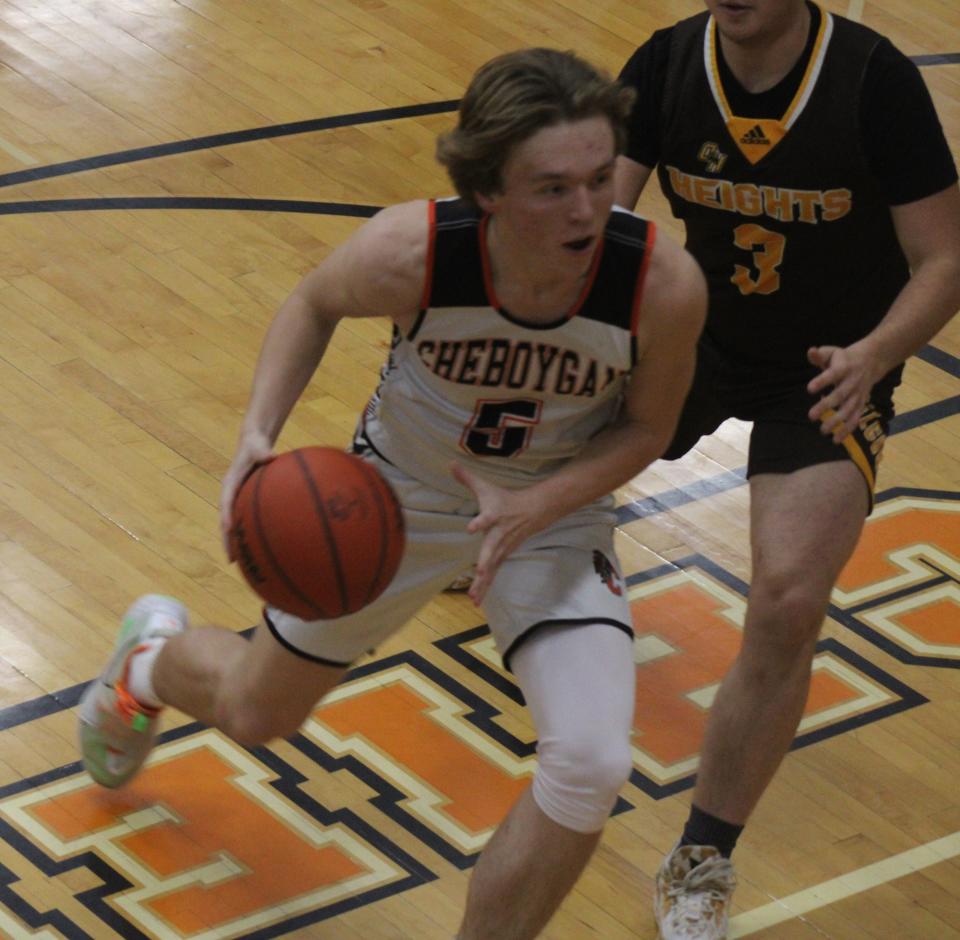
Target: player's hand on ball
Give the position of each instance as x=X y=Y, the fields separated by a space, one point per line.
x=317 y=532
x=505 y=517
x=253 y=450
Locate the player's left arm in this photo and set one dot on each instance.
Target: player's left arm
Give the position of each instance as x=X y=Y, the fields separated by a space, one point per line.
x=671 y=318
x=929 y=233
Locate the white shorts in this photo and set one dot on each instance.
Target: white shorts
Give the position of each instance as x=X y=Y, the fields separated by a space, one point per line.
x=566 y=574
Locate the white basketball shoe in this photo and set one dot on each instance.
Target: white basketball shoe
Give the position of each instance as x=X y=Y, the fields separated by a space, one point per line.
x=116 y=731
x=694 y=886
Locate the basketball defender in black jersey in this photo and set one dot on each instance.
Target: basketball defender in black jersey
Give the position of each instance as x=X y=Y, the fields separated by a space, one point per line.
x=804 y=156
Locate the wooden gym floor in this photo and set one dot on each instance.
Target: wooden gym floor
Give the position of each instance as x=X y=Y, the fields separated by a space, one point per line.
x=170 y=168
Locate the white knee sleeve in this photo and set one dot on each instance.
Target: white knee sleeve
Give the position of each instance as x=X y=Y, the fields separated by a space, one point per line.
x=579 y=685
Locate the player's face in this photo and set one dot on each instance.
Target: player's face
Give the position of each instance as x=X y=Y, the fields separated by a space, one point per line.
x=557 y=191
x=752 y=21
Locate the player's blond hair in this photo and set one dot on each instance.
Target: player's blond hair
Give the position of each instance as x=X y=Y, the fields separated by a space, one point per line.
x=515 y=95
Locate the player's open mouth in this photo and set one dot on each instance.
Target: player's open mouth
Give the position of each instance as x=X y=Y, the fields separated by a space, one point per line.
x=579 y=244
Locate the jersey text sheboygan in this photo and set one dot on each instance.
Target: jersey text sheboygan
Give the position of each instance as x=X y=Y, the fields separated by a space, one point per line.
x=517 y=365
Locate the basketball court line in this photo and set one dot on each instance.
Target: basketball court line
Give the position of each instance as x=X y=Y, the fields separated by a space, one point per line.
x=225 y=140
x=855 y=10
x=224 y=203
x=940 y=359
x=936 y=58
x=311 y=125
x=837 y=889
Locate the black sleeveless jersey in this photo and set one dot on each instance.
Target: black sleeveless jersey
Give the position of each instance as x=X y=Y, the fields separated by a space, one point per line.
x=783 y=212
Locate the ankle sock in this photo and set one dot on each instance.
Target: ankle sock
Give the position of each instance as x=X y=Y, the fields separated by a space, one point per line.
x=704 y=829
x=140 y=673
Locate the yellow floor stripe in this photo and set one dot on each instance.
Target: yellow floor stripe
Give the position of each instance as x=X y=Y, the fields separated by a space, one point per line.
x=855 y=10
x=845 y=886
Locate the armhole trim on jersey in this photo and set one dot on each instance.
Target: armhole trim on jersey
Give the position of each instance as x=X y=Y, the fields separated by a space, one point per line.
x=431 y=254
x=588 y=282
x=428 y=269
x=485 y=263
x=421 y=316
x=651 y=239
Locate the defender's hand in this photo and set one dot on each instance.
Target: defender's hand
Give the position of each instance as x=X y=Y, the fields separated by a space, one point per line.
x=845 y=381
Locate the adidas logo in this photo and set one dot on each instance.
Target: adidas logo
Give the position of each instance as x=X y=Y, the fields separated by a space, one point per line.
x=755 y=136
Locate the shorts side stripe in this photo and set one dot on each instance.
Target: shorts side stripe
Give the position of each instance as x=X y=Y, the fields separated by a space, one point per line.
x=857 y=454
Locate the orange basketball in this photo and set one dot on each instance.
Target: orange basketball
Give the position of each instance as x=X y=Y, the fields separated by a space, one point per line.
x=317 y=532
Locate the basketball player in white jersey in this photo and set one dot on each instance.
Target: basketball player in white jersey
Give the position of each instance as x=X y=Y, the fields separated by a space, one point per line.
x=543 y=346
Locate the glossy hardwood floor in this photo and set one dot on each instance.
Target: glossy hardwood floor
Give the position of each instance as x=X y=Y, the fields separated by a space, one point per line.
x=169 y=170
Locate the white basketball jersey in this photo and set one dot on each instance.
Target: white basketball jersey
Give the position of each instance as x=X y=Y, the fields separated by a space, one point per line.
x=510 y=400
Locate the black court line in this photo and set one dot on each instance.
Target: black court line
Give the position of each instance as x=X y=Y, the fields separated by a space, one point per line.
x=925 y=415
x=937 y=58
x=271 y=131
x=228 y=203
x=940 y=359
x=40 y=707
x=671 y=499
x=225 y=140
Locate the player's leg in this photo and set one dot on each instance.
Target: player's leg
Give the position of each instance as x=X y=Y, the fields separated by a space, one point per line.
x=561 y=618
x=808 y=505
x=253 y=691
x=809 y=499
x=804 y=527
x=258 y=690
x=578 y=682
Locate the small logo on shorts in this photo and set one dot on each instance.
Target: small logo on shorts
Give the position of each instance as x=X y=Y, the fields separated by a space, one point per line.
x=608 y=574
x=871 y=427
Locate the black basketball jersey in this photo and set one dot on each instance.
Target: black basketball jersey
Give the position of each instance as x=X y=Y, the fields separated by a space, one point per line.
x=783 y=212
x=509 y=399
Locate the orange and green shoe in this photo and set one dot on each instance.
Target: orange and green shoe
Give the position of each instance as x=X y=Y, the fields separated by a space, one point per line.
x=116 y=731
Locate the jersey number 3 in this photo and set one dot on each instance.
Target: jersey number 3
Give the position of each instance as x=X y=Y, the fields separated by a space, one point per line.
x=767 y=248
x=501 y=428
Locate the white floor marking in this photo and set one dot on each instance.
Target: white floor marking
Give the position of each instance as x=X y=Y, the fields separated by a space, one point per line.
x=811 y=899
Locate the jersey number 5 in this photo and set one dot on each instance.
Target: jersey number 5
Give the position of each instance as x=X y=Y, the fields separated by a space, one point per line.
x=501 y=428
x=767 y=248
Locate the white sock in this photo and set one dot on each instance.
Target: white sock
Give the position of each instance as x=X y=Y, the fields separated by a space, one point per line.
x=140 y=672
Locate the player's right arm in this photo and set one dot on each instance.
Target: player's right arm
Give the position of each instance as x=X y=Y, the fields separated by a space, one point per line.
x=378 y=271
x=645 y=73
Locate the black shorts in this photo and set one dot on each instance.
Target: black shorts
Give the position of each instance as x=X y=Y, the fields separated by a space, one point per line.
x=776 y=400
